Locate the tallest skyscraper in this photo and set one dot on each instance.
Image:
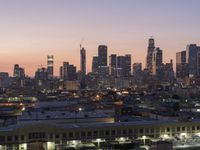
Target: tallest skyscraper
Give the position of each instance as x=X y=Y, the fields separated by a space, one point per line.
x=150 y=49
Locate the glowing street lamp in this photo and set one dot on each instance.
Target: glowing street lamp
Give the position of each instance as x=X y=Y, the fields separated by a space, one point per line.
x=97 y=97
x=80 y=109
x=98 y=142
x=144 y=139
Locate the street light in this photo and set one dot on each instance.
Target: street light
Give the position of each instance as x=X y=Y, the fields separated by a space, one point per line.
x=76 y=112
x=98 y=142
x=144 y=139
x=80 y=109
x=183 y=136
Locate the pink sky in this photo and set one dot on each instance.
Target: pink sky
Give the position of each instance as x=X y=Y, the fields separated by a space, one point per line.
x=30 y=30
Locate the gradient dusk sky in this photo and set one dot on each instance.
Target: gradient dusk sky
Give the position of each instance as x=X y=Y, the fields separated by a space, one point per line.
x=31 y=29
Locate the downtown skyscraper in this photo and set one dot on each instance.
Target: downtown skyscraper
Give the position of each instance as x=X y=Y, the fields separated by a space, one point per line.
x=192 y=59
x=95 y=64
x=181 y=66
x=50 y=68
x=113 y=64
x=103 y=69
x=157 y=61
x=149 y=58
x=83 y=60
x=102 y=55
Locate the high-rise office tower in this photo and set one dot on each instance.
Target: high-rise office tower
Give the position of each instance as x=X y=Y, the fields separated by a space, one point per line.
x=120 y=66
x=50 y=66
x=64 y=70
x=18 y=71
x=83 y=60
x=68 y=72
x=137 y=70
x=127 y=66
x=112 y=64
x=102 y=55
x=168 y=72
x=71 y=71
x=103 y=71
x=150 y=49
x=61 y=72
x=157 y=61
x=41 y=74
x=95 y=64
x=181 y=70
x=192 y=59
x=124 y=66
x=4 y=80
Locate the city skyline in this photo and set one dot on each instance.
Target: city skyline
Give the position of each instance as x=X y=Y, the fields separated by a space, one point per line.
x=28 y=36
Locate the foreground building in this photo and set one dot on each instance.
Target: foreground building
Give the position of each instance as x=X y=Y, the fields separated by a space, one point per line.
x=51 y=135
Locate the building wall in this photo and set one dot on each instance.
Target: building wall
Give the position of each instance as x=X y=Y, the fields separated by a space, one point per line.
x=31 y=132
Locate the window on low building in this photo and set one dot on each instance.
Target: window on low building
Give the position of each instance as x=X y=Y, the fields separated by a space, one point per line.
x=107 y=133
x=141 y=131
x=89 y=134
x=9 y=138
x=95 y=133
x=113 y=132
x=22 y=137
x=168 y=129
x=71 y=134
x=124 y=132
x=193 y=128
